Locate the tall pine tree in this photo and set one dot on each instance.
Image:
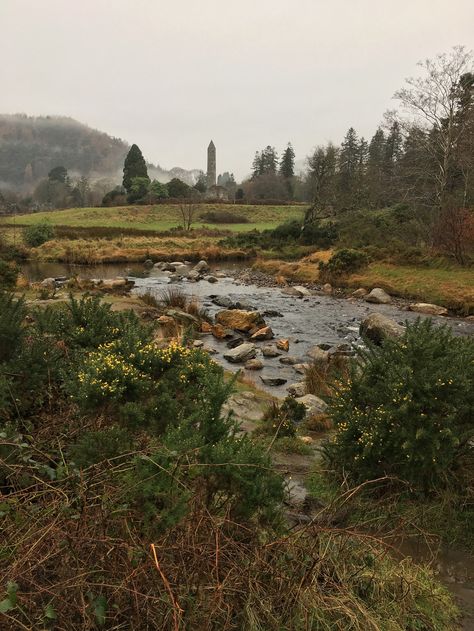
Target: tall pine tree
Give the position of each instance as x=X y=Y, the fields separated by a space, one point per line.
x=134 y=166
x=287 y=162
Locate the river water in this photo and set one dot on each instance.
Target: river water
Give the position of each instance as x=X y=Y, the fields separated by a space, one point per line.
x=305 y=322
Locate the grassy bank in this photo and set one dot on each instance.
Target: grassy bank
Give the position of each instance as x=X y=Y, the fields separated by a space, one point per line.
x=451 y=286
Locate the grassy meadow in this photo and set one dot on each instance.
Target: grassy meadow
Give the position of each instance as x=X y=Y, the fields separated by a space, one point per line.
x=162 y=217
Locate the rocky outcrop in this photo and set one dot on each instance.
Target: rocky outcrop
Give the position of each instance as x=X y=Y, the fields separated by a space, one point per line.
x=428 y=309
x=241 y=353
x=239 y=320
x=378 y=296
x=202 y=267
x=377 y=327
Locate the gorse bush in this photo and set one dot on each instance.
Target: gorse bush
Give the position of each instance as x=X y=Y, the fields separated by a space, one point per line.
x=407 y=409
x=8 y=275
x=38 y=233
x=342 y=263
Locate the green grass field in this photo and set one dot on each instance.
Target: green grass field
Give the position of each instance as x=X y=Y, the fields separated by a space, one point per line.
x=162 y=217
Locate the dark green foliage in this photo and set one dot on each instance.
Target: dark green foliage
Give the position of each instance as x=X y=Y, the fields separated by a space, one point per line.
x=38 y=233
x=94 y=447
x=343 y=263
x=322 y=236
x=407 y=409
x=223 y=216
x=287 y=162
x=115 y=197
x=58 y=174
x=134 y=167
x=177 y=188
x=12 y=315
x=139 y=188
x=290 y=230
x=8 y=275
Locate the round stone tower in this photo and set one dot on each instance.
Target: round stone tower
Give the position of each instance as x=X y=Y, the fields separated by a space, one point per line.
x=211 y=165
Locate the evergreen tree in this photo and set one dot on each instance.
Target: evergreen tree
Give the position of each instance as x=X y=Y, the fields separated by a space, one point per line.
x=58 y=174
x=287 y=162
x=134 y=166
x=375 y=164
x=348 y=167
x=269 y=160
x=257 y=165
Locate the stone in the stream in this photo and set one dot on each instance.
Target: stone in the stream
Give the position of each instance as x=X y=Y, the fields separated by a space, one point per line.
x=265 y=333
x=211 y=279
x=291 y=291
x=273 y=381
x=313 y=404
x=182 y=316
x=270 y=351
x=270 y=313
x=220 y=332
x=240 y=320
x=148 y=263
x=324 y=347
x=283 y=345
x=327 y=288
x=206 y=327
x=429 y=309
x=318 y=355
x=223 y=301
x=241 y=353
x=234 y=342
x=378 y=296
x=289 y=360
x=301 y=368
x=359 y=293
x=48 y=283
x=202 y=267
x=198 y=343
x=193 y=276
x=254 y=364
x=297 y=389
x=302 y=291
x=377 y=327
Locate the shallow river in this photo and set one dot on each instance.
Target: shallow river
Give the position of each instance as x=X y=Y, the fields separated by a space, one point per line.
x=305 y=322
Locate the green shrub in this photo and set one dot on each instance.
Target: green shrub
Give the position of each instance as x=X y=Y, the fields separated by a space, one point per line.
x=38 y=233
x=321 y=236
x=223 y=216
x=281 y=419
x=8 y=275
x=407 y=409
x=342 y=263
x=288 y=231
x=94 y=447
x=12 y=315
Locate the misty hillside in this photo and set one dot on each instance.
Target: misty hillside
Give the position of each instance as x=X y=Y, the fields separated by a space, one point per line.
x=30 y=146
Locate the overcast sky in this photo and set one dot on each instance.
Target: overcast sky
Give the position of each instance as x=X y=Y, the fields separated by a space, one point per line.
x=171 y=75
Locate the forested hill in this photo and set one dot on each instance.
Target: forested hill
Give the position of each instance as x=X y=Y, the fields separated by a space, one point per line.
x=30 y=146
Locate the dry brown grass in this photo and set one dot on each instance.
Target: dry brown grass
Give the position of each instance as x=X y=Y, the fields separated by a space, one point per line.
x=320 y=377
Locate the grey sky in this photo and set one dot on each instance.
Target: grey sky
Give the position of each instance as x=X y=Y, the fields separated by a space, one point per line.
x=171 y=75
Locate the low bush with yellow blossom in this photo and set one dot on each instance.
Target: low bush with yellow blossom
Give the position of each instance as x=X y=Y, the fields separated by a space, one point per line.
x=407 y=409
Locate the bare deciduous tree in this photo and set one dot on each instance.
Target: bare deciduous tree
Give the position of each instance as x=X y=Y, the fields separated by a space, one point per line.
x=431 y=103
x=188 y=212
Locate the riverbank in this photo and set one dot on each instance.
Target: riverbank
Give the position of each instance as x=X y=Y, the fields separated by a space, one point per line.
x=450 y=286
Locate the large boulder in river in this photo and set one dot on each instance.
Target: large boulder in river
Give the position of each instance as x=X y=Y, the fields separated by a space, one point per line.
x=377 y=327
x=241 y=353
x=239 y=320
x=378 y=296
x=313 y=404
x=202 y=267
x=429 y=309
